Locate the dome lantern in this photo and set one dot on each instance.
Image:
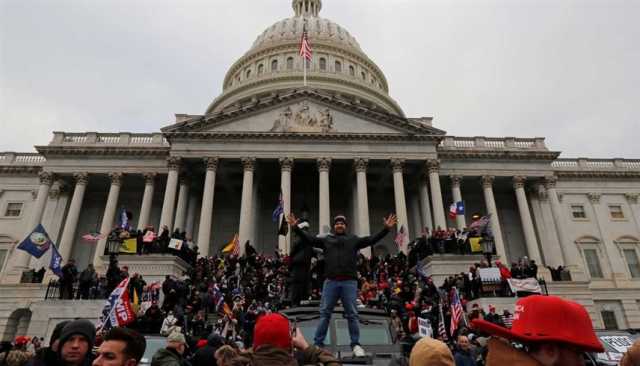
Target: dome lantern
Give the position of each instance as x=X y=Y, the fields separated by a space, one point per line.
x=307 y=8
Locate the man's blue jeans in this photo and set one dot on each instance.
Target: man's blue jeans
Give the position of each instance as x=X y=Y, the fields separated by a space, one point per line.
x=347 y=292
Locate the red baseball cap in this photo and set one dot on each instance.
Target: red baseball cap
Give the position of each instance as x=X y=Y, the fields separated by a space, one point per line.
x=547 y=319
x=272 y=329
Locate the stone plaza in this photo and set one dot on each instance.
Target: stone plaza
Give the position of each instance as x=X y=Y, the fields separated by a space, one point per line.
x=340 y=145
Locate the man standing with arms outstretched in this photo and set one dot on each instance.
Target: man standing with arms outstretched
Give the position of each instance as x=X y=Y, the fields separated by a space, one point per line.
x=341 y=254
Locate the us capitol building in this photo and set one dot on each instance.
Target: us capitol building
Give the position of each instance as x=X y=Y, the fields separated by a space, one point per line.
x=341 y=144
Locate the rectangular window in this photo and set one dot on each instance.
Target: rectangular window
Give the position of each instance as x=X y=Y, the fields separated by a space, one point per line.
x=616 y=212
x=609 y=320
x=3 y=256
x=632 y=261
x=591 y=256
x=13 y=209
x=578 y=212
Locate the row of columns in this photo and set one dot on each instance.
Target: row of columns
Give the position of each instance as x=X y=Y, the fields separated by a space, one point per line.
x=431 y=212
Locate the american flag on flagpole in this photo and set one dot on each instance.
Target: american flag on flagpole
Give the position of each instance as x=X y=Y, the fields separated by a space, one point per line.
x=305 y=51
x=442 y=331
x=456 y=311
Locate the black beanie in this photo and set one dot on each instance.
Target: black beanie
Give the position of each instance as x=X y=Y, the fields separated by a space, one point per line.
x=55 y=335
x=79 y=327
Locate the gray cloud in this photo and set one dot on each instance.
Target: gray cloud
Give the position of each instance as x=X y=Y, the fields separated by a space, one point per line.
x=563 y=69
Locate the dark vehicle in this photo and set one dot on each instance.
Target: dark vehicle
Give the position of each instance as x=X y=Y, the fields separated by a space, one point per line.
x=615 y=344
x=376 y=334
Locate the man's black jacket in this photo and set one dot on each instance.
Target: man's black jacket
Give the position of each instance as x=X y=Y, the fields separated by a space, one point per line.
x=340 y=251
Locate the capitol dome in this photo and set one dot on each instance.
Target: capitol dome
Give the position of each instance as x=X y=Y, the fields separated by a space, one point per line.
x=273 y=64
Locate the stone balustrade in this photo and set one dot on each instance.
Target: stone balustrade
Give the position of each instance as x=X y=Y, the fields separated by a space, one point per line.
x=13 y=158
x=493 y=143
x=102 y=139
x=584 y=164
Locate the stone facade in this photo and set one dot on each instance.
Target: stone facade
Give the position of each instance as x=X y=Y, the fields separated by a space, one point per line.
x=340 y=145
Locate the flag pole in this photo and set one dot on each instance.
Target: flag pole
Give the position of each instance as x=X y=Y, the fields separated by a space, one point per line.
x=305 y=70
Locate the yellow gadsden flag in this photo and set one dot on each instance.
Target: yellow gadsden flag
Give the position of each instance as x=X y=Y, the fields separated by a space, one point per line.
x=232 y=246
x=475 y=245
x=129 y=246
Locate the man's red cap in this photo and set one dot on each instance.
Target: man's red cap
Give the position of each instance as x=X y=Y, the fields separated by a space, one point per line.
x=272 y=329
x=547 y=319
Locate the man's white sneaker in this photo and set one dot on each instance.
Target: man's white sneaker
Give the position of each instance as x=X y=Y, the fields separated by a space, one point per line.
x=358 y=351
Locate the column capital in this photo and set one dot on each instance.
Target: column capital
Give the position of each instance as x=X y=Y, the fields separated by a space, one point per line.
x=361 y=165
x=149 y=178
x=433 y=166
x=550 y=181
x=286 y=164
x=456 y=181
x=248 y=163
x=397 y=165
x=81 y=178
x=324 y=164
x=46 y=178
x=55 y=191
x=632 y=197
x=594 y=197
x=211 y=163
x=116 y=178
x=519 y=181
x=174 y=162
x=487 y=181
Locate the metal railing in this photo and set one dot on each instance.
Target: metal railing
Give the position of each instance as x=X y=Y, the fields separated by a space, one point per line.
x=57 y=291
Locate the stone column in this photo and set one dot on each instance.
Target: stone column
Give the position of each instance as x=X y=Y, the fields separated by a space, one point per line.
x=108 y=217
x=456 y=181
x=487 y=185
x=286 y=166
x=401 y=205
x=425 y=205
x=169 y=204
x=206 y=213
x=324 y=164
x=527 y=222
x=617 y=264
x=21 y=258
x=632 y=198
x=246 y=229
x=439 y=220
x=183 y=201
x=191 y=214
x=68 y=234
x=147 y=200
x=570 y=252
x=362 y=200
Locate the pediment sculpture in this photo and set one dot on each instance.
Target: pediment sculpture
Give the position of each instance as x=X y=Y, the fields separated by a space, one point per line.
x=304 y=119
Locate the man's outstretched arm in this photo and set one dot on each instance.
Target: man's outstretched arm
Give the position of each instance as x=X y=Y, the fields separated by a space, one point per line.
x=313 y=240
x=389 y=223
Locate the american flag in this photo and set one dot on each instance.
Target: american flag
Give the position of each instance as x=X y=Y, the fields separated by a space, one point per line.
x=400 y=237
x=442 y=331
x=456 y=311
x=305 y=47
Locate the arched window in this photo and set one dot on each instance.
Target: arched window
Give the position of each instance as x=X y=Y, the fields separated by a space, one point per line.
x=290 y=63
x=338 y=66
x=323 y=63
x=352 y=70
x=248 y=73
x=274 y=65
x=260 y=69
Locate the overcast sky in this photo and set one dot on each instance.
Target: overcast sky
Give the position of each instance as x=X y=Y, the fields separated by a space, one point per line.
x=566 y=70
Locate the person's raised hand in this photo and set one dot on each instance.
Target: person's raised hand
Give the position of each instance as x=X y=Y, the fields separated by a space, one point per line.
x=390 y=221
x=291 y=219
x=298 y=340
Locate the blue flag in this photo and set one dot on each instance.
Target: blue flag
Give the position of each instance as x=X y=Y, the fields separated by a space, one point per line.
x=279 y=209
x=37 y=243
x=460 y=208
x=56 y=261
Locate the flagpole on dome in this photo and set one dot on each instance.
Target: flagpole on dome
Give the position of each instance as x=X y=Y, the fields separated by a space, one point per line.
x=304 y=58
